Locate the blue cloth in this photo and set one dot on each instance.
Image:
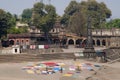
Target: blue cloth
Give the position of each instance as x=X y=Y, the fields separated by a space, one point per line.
x=56 y=69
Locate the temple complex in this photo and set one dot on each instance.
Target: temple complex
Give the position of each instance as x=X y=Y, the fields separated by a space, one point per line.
x=101 y=37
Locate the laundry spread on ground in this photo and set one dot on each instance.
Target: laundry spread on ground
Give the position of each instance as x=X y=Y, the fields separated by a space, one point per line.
x=46 y=68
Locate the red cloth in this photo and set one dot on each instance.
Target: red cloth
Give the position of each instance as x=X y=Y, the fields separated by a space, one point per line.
x=50 y=63
x=46 y=46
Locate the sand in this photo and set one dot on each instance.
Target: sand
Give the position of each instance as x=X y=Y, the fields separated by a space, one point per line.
x=13 y=71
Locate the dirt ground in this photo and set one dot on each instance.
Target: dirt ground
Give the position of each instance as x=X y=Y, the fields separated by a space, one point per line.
x=13 y=71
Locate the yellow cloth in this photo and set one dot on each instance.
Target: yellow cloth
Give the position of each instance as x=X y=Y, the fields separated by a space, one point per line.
x=61 y=64
x=30 y=71
x=38 y=71
x=68 y=75
x=78 y=64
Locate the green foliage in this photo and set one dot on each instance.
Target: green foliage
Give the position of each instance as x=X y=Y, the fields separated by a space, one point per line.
x=113 y=23
x=78 y=21
x=3 y=22
x=39 y=9
x=69 y=11
x=6 y=22
x=27 y=15
x=16 y=17
x=49 y=19
x=44 y=16
x=38 y=13
x=72 y=8
x=65 y=19
x=11 y=20
x=98 y=12
x=14 y=30
x=91 y=8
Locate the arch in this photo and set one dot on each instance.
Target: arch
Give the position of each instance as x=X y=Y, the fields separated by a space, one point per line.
x=17 y=42
x=103 y=42
x=98 y=42
x=42 y=39
x=64 y=41
x=56 y=41
x=93 y=42
x=5 y=43
x=11 y=42
x=78 y=41
x=84 y=42
x=22 y=41
x=71 y=42
x=53 y=30
x=27 y=41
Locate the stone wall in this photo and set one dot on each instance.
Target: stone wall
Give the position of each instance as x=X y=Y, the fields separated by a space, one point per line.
x=42 y=51
x=6 y=51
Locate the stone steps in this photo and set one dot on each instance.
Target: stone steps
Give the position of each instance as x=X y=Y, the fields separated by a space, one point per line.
x=35 y=57
x=118 y=59
x=17 y=58
x=112 y=55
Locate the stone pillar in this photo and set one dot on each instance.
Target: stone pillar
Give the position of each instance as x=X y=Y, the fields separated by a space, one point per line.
x=107 y=42
x=95 y=42
x=67 y=42
x=89 y=51
x=101 y=43
x=74 y=42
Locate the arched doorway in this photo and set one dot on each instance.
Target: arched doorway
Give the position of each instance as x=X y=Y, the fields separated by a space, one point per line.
x=79 y=43
x=94 y=42
x=84 y=42
x=17 y=42
x=11 y=42
x=41 y=40
x=98 y=42
x=5 y=43
x=56 y=41
x=71 y=42
x=103 y=42
x=63 y=41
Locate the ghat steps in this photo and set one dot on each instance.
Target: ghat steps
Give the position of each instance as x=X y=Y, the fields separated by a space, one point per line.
x=35 y=57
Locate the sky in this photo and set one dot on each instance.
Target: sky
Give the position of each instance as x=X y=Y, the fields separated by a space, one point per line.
x=17 y=6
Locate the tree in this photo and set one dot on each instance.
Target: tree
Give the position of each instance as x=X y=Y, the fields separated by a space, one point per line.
x=6 y=22
x=47 y=21
x=69 y=11
x=98 y=13
x=91 y=8
x=38 y=12
x=115 y=23
x=26 y=15
x=44 y=17
x=78 y=21
x=16 y=17
x=14 y=30
x=11 y=20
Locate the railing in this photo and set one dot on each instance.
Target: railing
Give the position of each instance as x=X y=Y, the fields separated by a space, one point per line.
x=113 y=56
